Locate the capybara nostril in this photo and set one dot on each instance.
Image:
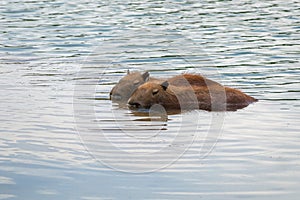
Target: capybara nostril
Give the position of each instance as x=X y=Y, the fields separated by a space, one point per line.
x=134 y=104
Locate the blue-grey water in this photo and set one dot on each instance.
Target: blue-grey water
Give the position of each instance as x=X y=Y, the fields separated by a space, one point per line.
x=62 y=138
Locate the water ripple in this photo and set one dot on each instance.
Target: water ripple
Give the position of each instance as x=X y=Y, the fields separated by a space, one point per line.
x=49 y=48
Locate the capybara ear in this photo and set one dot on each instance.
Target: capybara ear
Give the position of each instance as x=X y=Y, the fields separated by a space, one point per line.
x=145 y=76
x=128 y=72
x=165 y=85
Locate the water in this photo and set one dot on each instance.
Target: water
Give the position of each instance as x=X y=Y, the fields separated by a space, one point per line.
x=61 y=137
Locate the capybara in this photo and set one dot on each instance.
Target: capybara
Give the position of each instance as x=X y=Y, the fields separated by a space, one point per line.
x=126 y=86
x=129 y=83
x=197 y=92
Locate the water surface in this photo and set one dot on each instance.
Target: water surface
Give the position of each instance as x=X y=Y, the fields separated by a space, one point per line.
x=62 y=138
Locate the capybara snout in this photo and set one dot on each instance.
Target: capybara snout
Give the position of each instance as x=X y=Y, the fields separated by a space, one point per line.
x=147 y=94
x=126 y=86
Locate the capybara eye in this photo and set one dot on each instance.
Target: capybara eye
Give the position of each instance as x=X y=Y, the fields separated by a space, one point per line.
x=136 y=82
x=154 y=91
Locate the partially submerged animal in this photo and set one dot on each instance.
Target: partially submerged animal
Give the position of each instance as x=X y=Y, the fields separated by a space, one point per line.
x=122 y=91
x=189 y=91
x=127 y=85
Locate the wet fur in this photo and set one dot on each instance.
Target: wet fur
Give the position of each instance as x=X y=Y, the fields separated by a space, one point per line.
x=127 y=85
x=190 y=91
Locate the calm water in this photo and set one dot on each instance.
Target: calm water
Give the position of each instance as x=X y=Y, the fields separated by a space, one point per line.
x=62 y=138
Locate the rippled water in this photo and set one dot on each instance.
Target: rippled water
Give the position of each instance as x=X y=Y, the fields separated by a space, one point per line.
x=62 y=138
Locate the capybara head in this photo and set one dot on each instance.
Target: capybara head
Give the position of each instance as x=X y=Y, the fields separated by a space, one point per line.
x=148 y=94
x=127 y=85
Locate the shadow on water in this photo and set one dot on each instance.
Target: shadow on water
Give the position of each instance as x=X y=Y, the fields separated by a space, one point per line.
x=55 y=144
x=155 y=113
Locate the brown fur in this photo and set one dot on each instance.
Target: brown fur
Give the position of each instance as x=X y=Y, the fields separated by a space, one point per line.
x=129 y=83
x=196 y=92
x=126 y=86
x=191 y=80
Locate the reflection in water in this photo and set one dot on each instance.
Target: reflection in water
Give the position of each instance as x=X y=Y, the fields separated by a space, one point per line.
x=59 y=144
x=129 y=140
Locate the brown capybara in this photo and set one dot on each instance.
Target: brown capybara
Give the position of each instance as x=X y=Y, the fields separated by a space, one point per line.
x=203 y=94
x=126 y=86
